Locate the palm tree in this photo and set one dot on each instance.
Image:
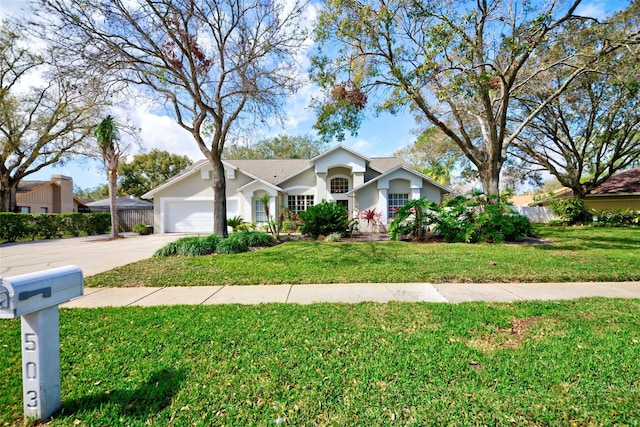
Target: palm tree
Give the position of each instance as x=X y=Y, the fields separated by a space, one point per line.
x=108 y=137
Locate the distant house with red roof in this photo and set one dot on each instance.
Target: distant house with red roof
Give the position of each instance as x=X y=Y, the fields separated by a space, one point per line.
x=621 y=191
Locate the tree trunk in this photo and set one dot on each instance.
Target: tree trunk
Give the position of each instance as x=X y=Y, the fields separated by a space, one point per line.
x=219 y=196
x=8 y=197
x=113 y=204
x=490 y=178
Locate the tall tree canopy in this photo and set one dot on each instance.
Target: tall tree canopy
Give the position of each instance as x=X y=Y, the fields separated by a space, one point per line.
x=47 y=110
x=278 y=147
x=220 y=65
x=592 y=130
x=458 y=63
x=148 y=170
x=434 y=154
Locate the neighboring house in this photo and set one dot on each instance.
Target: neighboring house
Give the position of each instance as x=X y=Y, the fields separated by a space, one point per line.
x=130 y=211
x=185 y=202
x=55 y=196
x=621 y=191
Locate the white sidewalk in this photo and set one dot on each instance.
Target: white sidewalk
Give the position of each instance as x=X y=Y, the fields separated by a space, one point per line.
x=352 y=293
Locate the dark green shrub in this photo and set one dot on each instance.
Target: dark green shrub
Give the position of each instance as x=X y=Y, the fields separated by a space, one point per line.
x=461 y=220
x=324 y=219
x=46 y=226
x=498 y=224
x=257 y=238
x=455 y=223
x=97 y=223
x=169 y=249
x=141 y=229
x=190 y=246
x=617 y=218
x=412 y=219
x=233 y=244
x=13 y=226
x=210 y=243
x=73 y=223
x=572 y=210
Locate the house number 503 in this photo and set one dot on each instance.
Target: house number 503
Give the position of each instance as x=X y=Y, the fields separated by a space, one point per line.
x=31 y=369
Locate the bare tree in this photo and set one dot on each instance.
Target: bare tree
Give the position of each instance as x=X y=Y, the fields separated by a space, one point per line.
x=459 y=64
x=46 y=110
x=592 y=130
x=221 y=65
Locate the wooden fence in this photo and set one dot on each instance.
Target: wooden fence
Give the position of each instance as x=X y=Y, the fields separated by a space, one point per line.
x=128 y=218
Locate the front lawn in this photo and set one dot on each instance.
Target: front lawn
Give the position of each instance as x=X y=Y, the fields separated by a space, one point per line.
x=526 y=363
x=574 y=254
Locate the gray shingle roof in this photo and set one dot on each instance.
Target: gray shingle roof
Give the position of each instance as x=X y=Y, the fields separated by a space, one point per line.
x=271 y=170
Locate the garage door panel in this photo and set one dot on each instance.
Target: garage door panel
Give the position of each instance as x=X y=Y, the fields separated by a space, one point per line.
x=189 y=217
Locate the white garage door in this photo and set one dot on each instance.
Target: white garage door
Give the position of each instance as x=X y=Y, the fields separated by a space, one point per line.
x=189 y=217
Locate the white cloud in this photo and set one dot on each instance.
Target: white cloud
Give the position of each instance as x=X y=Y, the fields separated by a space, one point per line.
x=594 y=10
x=162 y=132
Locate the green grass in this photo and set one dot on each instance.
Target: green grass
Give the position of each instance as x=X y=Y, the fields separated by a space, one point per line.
x=527 y=363
x=575 y=254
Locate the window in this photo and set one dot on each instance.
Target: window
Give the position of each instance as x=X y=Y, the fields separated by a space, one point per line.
x=339 y=185
x=25 y=209
x=297 y=204
x=260 y=216
x=44 y=210
x=396 y=201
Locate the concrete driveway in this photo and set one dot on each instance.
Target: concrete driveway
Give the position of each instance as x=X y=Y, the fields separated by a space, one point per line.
x=93 y=254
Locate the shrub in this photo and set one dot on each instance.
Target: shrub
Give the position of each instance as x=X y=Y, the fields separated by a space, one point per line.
x=257 y=238
x=233 y=244
x=73 y=223
x=618 y=218
x=411 y=219
x=46 y=226
x=455 y=223
x=13 y=226
x=190 y=246
x=235 y=222
x=169 y=249
x=97 y=223
x=461 y=220
x=571 y=210
x=141 y=229
x=497 y=224
x=324 y=219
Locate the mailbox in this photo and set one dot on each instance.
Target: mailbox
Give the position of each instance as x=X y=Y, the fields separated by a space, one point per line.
x=28 y=293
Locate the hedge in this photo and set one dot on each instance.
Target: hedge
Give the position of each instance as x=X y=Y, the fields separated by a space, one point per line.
x=14 y=226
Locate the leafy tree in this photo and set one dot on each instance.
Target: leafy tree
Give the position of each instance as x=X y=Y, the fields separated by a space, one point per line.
x=434 y=154
x=592 y=130
x=108 y=137
x=43 y=121
x=221 y=65
x=458 y=64
x=147 y=171
x=97 y=193
x=279 y=147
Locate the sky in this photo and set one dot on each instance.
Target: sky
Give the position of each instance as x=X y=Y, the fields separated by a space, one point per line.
x=379 y=136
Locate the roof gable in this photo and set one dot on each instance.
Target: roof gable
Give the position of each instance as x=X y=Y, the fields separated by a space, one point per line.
x=25 y=187
x=386 y=174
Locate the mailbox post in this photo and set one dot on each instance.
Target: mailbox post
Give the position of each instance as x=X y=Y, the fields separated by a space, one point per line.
x=35 y=297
